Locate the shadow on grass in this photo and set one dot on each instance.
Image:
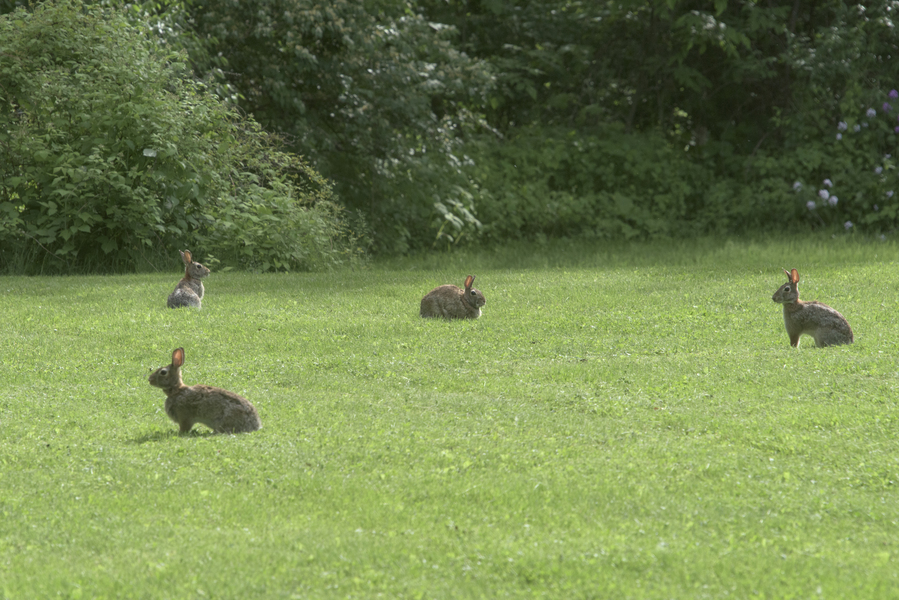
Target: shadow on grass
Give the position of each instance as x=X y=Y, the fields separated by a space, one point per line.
x=158 y=436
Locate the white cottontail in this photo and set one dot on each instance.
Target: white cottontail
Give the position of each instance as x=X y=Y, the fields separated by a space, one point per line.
x=827 y=326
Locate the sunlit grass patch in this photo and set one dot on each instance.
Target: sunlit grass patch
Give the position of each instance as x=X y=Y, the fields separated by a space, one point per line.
x=633 y=424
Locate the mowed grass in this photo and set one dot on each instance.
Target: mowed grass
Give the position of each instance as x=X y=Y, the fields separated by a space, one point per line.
x=624 y=422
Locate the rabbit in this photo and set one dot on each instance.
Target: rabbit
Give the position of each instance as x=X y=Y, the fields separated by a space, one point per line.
x=827 y=326
x=220 y=410
x=189 y=290
x=451 y=302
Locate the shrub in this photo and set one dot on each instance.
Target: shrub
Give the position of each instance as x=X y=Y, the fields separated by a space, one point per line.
x=111 y=154
x=556 y=182
x=607 y=183
x=377 y=96
x=850 y=176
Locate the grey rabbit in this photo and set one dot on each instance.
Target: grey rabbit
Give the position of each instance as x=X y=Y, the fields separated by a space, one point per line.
x=827 y=326
x=451 y=302
x=189 y=291
x=220 y=410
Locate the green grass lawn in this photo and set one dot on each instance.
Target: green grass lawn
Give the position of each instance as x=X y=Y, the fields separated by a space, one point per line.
x=620 y=423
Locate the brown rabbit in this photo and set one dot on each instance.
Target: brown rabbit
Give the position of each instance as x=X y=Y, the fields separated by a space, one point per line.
x=189 y=290
x=827 y=326
x=220 y=410
x=451 y=302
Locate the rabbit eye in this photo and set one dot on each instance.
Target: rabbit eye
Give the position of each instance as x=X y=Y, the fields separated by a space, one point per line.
x=164 y=371
x=472 y=293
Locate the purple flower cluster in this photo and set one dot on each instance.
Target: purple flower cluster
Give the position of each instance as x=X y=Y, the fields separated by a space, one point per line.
x=870 y=113
x=827 y=198
x=819 y=200
x=823 y=193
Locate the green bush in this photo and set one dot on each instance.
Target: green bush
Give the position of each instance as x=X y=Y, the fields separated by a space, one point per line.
x=606 y=183
x=728 y=103
x=555 y=182
x=850 y=176
x=377 y=96
x=111 y=155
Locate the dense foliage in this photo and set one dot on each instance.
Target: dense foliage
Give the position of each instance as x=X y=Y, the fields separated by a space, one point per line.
x=730 y=103
x=373 y=92
x=442 y=121
x=112 y=155
x=634 y=118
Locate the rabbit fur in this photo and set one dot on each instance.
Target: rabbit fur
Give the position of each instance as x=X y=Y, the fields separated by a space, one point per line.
x=189 y=290
x=451 y=302
x=827 y=326
x=220 y=410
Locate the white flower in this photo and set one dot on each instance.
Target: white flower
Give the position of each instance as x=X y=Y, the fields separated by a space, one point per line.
x=841 y=126
x=857 y=128
x=797 y=185
x=824 y=194
x=811 y=205
x=847 y=225
x=876 y=208
x=871 y=113
x=890 y=194
x=828 y=183
x=839 y=136
x=833 y=200
x=887 y=156
x=878 y=170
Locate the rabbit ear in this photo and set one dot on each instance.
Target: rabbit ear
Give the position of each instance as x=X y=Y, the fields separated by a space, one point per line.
x=178 y=357
x=794 y=276
x=469 y=281
x=185 y=256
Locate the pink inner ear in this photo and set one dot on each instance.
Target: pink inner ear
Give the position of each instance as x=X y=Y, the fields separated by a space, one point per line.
x=178 y=357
